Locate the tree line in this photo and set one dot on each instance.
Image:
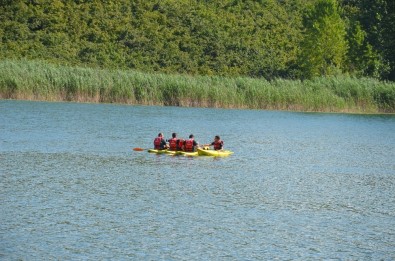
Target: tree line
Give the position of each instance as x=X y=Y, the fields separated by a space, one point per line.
x=291 y=39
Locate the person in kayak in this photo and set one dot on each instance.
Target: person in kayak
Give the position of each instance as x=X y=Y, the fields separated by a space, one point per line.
x=217 y=143
x=175 y=143
x=190 y=144
x=160 y=142
x=180 y=144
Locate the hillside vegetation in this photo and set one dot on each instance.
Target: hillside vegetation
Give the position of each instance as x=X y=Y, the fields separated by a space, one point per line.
x=294 y=39
x=311 y=55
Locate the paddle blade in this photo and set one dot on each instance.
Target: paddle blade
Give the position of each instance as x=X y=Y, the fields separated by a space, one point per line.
x=138 y=149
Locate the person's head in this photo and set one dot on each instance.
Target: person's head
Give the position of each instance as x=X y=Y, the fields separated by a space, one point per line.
x=160 y=134
x=191 y=136
x=217 y=138
x=174 y=135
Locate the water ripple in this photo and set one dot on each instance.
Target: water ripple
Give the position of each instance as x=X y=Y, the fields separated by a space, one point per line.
x=299 y=186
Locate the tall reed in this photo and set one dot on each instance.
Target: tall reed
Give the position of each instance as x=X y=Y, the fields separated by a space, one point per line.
x=37 y=80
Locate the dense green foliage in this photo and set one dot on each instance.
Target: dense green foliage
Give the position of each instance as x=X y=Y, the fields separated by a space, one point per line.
x=255 y=38
x=324 y=46
x=43 y=81
x=371 y=36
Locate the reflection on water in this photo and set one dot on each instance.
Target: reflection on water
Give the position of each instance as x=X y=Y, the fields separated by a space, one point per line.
x=299 y=186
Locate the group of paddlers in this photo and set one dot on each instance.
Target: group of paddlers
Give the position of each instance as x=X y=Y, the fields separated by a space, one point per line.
x=188 y=145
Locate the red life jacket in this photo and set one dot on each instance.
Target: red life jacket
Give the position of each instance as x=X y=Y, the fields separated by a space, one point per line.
x=218 y=145
x=157 y=143
x=189 y=145
x=180 y=144
x=173 y=144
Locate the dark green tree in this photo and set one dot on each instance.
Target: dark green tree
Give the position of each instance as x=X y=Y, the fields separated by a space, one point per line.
x=324 y=46
x=376 y=19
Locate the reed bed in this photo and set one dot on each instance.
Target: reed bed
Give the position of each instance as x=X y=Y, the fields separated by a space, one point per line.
x=37 y=80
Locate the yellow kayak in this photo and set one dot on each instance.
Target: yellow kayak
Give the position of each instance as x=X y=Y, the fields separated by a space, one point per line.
x=157 y=151
x=214 y=153
x=181 y=153
x=188 y=154
x=199 y=152
x=175 y=153
x=171 y=152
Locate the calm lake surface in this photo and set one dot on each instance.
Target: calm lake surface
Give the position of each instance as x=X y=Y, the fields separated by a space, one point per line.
x=299 y=185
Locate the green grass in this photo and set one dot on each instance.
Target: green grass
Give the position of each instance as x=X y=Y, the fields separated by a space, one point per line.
x=36 y=80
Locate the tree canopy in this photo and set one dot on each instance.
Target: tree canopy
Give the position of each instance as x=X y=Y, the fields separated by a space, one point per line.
x=257 y=38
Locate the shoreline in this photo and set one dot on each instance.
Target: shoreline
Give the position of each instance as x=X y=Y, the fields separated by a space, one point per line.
x=42 y=81
x=349 y=112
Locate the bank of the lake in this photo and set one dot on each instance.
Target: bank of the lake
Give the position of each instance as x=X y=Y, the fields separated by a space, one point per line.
x=37 y=80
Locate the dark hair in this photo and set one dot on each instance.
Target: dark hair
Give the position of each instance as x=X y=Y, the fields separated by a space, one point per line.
x=174 y=135
x=160 y=134
x=217 y=137
x=191 y=136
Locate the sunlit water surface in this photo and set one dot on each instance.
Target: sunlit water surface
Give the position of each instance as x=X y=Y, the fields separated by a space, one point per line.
x=298 y=186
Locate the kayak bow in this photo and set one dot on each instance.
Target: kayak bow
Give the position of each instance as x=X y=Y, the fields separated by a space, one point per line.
x=214 y=153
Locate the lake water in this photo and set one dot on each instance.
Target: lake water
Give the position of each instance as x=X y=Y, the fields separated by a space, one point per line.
x=302 y=186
